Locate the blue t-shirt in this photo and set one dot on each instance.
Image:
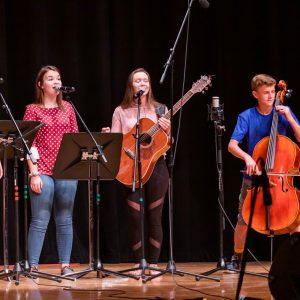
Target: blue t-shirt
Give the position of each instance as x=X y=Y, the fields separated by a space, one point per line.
x=254 y=126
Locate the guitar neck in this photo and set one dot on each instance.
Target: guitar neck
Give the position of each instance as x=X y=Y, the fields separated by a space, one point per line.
x=176 y=107
x=197 y=87
x=179 y=104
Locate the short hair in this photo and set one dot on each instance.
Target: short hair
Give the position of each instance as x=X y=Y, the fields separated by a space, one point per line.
x=262 y=79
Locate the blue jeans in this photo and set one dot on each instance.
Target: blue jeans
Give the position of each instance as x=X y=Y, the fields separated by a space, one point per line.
x=60 y=195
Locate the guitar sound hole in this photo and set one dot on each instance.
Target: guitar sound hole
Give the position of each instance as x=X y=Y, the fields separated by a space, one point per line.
x=145 y=139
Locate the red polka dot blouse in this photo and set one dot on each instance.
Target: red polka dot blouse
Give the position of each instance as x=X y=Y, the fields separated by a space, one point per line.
x=48 y=138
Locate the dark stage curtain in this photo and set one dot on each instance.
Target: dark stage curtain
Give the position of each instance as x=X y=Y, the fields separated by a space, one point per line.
x=97 y=43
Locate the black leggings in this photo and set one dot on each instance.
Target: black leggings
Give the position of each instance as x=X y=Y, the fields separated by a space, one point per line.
x=154 y=193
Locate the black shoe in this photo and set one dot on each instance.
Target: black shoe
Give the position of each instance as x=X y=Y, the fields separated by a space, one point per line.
x=66 y=271
x=234 y=264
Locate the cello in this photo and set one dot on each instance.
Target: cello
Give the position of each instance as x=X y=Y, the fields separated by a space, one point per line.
x=278 y=157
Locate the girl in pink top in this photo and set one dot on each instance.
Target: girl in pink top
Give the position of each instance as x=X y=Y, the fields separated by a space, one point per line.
x=123 y=120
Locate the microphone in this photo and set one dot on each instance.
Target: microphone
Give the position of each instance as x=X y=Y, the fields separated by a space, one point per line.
x=65 y=89
x=204 y=3
x=215 y=102
x=139 y=93
x=215 y=109
x=1 y=80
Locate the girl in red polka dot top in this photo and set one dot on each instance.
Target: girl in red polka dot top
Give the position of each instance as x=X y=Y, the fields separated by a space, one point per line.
x=46 y=192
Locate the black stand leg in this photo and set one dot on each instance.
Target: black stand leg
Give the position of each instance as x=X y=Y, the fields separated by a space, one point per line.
x=143 y=265
x=95 y=263
x=217 y=116
x=259 y=181
x=26 y=265
x=242 y=271
x=19 y=268
x=6 y=271
x=171 y=266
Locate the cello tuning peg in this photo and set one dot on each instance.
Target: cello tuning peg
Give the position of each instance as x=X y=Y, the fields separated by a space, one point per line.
x=288 y=93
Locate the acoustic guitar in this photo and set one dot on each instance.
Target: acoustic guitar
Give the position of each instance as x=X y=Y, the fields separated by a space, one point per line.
x=154 y=142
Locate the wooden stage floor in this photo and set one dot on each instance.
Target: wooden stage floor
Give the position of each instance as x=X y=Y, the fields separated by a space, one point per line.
x=167 y=286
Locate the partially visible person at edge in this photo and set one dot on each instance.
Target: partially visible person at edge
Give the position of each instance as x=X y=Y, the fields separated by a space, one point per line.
x=123 y=120
x=45 y=191
x=252 y=125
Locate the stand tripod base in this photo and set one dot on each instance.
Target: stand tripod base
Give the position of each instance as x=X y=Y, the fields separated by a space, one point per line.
x=221 y=266
x=143 y=266
x=5 y=272
x=19 y=270
x=97 y=266
x=170 y=269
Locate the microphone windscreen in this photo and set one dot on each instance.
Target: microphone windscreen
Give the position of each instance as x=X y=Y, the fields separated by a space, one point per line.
x=204 y=3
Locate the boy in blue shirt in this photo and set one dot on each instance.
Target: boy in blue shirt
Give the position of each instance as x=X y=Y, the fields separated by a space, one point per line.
x=252 y=125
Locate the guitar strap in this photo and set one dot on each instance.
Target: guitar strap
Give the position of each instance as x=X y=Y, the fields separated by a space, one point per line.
x=160 y=110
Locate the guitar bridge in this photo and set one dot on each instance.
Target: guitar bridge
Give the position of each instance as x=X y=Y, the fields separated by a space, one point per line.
x=129 y=153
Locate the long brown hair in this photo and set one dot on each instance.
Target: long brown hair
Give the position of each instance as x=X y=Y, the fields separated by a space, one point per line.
x=39 y=83
x=128 y=96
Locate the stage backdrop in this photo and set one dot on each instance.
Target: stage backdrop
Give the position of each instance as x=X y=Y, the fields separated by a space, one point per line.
x=97 y=43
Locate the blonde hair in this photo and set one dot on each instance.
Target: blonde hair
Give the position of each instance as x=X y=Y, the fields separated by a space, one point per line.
x=262 y=79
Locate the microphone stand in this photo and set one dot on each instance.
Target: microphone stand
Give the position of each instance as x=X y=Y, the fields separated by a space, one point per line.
x=216 y=114
x=143 y=265
x=95 y=263
x=172 y=50
x=171 y=266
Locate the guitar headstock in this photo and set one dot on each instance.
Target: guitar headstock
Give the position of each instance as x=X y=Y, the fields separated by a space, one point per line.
x=201 y=84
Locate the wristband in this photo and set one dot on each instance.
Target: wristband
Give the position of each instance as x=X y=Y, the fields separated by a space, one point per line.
x=34 y=173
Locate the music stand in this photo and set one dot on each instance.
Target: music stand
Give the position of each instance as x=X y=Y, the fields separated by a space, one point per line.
x=8 y=145
x=11 y=147
x=78 y=158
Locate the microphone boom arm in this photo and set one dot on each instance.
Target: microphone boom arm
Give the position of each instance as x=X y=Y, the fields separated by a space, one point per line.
x=172 y=50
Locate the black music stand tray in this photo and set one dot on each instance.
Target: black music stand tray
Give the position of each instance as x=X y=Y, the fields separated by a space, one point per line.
x=11 y=147
x=78 y=158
